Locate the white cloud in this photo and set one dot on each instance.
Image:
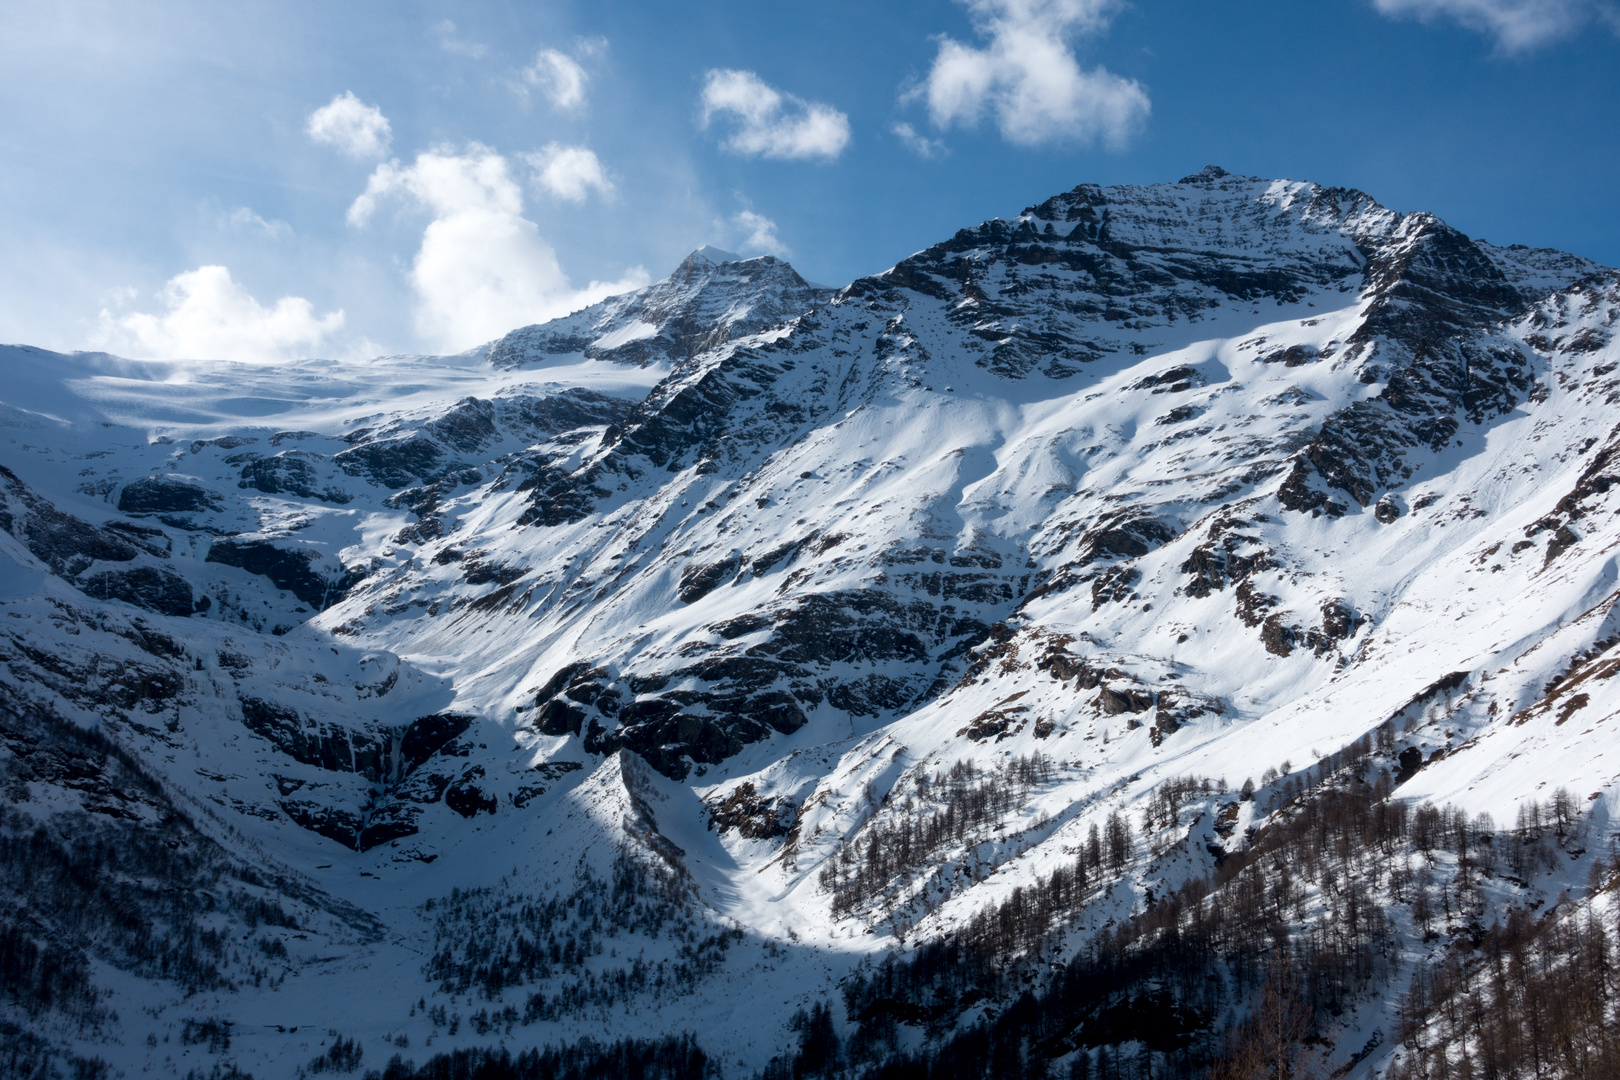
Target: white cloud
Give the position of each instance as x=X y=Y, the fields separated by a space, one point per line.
x=569 y=172
x=1028 y=78
x=772 y=124
x=1517 y=25
x=355 y=128
x=559 y=76
x=918 y=143
x=210 y=316
x=483 y=268
x=245 y=220
x=760 y=233
x=449 y=42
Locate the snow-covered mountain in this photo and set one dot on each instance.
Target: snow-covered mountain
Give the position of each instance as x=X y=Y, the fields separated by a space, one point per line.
x=734 y=657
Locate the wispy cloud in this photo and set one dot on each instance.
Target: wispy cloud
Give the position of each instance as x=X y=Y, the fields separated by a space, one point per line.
x=770 y=123
x=245 y=220
x=759 y=233
x=919 y=144
x=445 y=32
x=569 y=172
x=207 y=315
x=1027 y=76
x=483 y=268
x=1517 y=25
x=353 y=127
x=562 y=77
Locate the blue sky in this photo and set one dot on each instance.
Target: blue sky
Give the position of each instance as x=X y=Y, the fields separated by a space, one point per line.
x=348 y=178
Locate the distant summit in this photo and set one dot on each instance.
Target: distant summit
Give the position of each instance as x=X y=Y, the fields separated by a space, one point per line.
x=710 y=253
x=1205 y=175
x=713 y=296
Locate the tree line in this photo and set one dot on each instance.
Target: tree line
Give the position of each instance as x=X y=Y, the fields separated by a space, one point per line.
x=487 y=940
x=1241 y=972
x=942 y=811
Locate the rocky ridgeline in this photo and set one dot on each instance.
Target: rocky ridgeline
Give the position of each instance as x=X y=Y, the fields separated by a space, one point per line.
x=1091 y=278
x=873 y=620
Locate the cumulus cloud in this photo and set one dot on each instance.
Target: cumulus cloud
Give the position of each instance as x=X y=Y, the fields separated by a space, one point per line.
x=1027 y=77
x=561 y=77
x=772 y=124
x=569 y=172
x=210 y=316
x=918 y=143
x=483 y=268
x=1517 y=25
x=353 y=127
x=759 y=233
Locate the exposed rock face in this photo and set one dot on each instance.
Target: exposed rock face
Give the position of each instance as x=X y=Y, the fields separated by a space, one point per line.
x=291 y=472
x=753 y=816
x=869 y=615
x=293 y=569
x=166 y=494
x=72 y=548
x=1125 y=700
x=437 y=449
x=151 y=587
x=390 y=758
x=61 y=541
x=1082 y=279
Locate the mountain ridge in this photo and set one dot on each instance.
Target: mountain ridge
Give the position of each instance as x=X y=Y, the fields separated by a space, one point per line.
x=685 y=606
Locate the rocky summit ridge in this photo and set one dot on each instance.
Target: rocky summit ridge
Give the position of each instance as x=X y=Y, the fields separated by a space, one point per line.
x=699 y=665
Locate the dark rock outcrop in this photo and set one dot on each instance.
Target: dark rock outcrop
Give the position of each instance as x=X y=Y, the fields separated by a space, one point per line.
x=396 y=760
x=168 y=494
x=291 y=472
x=386 y=756
x=72 y=547
x=754 y=816
x=466 y=798
x=150 y=587
x=61 y=541
x=292 y=569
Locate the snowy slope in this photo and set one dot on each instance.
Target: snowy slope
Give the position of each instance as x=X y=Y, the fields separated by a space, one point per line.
x=704 y=586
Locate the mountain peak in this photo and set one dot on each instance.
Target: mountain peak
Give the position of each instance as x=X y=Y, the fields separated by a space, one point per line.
x=718 y=290
x=711 y=254
x=1208 y=174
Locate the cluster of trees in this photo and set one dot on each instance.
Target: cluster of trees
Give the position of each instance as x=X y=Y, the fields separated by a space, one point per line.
x=109 y=869
x=343 y=1056
x=1237 y=973
x=944 y=811
x=696 y=959
x=1532 y=997
x=84 y=880
x=487 y=941
x=40 y=976
x=26 y=1055
x=818 y=1049
x=1025 y=921
x=676 y=1058
x=213 y=1032
x=1166 y=803
x=1286 y=786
